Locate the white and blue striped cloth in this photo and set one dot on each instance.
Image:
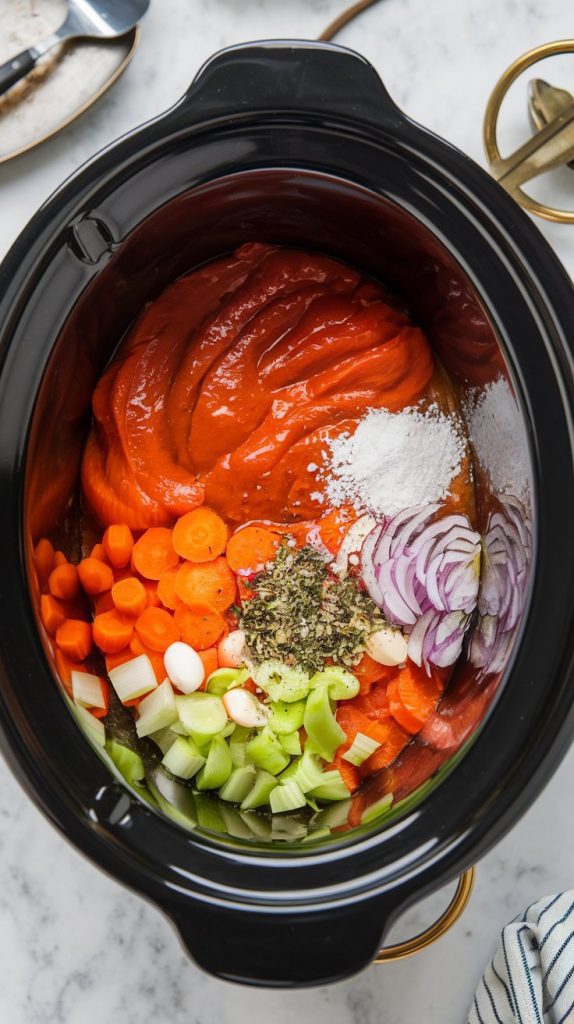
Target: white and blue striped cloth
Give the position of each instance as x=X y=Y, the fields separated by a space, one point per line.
x=531 y=977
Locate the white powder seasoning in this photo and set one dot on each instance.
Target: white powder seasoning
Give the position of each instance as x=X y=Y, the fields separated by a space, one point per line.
x=395 y=461
x=497 y=432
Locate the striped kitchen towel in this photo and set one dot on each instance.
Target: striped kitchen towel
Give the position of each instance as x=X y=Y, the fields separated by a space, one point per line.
x=531 y=977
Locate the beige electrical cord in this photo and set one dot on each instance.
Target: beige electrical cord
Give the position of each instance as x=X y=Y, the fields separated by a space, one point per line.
x=344 y=19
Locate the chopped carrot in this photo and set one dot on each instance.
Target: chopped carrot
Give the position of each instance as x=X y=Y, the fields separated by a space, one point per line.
x=118 y=544
x=413 y=696
x=44 y=559
x=98 y=551
x=59 y=559
x=74 y=638
x=112 y=631
x=151 y=594
x=200 y=535
x=209 y=659
x=210 y=583
x=356 y=810
x=113 y=660
x=368 y=671
x=394 y=741
x=65 y=666
x=103 y=602
x=63 y=582
x=353 y=721
x=250 y=548
x=244 y=592
x=137 y=647
x=154 y=553
x=166 y=590
x=52 y=613
x=200 y=625
x=251 y=686
x=373 y=704
x=350 y=774
x=157 y=629
x=95 y=576
x=129 y=596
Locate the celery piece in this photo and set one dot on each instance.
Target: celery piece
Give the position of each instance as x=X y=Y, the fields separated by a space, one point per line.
x=164 y=738
x=361 y=748
x=218 y=766
x=286 y=718
x=183 y=759
x=133 y=678
x=286 y=797
x=93 y=728
x=377 y=809
x=223 y=678
x=157 y=710
x=320 y=724
x=291 y=742
x=342 y=684
x=290 y=771
x=202 y=714
x=259 y=795
x=282 y=682
x=332 y=787
x=238 y=745
x=239 y=784
x=209 y=814
x=265 y=751
x=333 y=816
x=309 y=773
x=128 y=763
x=228 y=730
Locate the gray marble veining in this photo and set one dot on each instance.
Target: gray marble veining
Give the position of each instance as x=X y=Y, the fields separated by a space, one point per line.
x=75 y=947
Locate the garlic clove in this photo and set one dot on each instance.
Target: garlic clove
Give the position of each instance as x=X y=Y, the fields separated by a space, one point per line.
x=184 y=667
x=230 y=651
x=244 y=709
x=387 y=646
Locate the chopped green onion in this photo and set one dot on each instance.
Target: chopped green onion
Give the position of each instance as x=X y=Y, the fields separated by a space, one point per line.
x=223 y=678
x=157 y=710
x=265 y=751
x=183 y=759
x=262 y=787
x=202 y=714
x=286 y=797
x=320 y=724
x=361 y=748
x=282 y=682
x=342 y=685
x=93 y=728
x=218 y=766
x=286 y=717
x=239 y=784
x=128 y=763
x=332 y=787
x=291 y=742
x=377 y=809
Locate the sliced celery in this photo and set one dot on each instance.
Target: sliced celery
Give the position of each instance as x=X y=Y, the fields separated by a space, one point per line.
x=291 y=743
x=133 y=678
x=265 y=751
x=377 y=809
x=93 y=728
x=239 y=784
x=361 y=748
x=286 y=718
x=332 y=787
x=238 y=745
x=320 y=724
x=262 y=787
x=309 y=772
x=218 y=766
x=164 y=738
x=342 y=685
x=282 y=682
x=286 y=797
x=202 y=714
x=223 y=678
x=128 y=763
x=157 y=710
x=183 y=759
x=228 y=730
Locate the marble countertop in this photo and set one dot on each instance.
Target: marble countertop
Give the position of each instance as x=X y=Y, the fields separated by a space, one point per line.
x=75 y=947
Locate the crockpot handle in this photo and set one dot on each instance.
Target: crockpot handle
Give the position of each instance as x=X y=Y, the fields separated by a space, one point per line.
x=288 y=76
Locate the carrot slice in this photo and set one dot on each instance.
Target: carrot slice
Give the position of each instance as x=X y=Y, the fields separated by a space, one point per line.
x=113 y=660
x=200 y=625
x=65 y=666
x=44 y=559
x=166 y=590
x=151 y=594
x=63 y=582
x=353 y=721
x=137 y=647
x=103 y=602
x=154 y=553
x=351 y=774
x=244 y=592
x=98 y=551
x=157 y=629
x=112 y=631
x=52 y=613
x=95 y=576
x=250 y=548
x=59 y=559
x=368 y=671
x=373 y=704
x=413 y=696
x=129 y=596
x=395 y=741
x=209 y=659
x=210 y=583
x=200 y=535
x=118 y=544
x=74 y=638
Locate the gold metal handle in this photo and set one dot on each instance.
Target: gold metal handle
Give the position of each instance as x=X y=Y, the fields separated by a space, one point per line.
x=549 y=148
x=452 y=913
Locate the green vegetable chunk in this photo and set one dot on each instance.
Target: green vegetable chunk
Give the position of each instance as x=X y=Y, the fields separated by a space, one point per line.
x=265 y=751
x=285 y=717
x=224 y=679
x=202 y=714
x=218 y=766
x=332 y=787
x=342 y=685
x=291 y=743
x=320 y=724
x=286 y=797
x=282 y=683
x=239 y=784
x=183 y=758
x=259 y=795
x=128 y=763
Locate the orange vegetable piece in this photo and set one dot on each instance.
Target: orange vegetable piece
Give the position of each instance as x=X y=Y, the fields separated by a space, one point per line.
x=210 y=583
x=52 y=613
x=368 y=671
x=151 y=594
x=63 y=582
x=394 y=741
x=74 y=638
x=200 y=625
x=136 y=647
x=200 y=535
x=44 y=559
x=413 y=696
x=353 y=721
x=373 y=704
x=59 y=559
x=157 y=629
x=103 y=602
x=243 y=591
x=209 y=659
x=118 y=544
x=65 y=666
x=166 y=590
x=113 y=660
x=129 y=596
x=98 y=551
x=95 y=576
x=349 y=772
x=250 y=548
x=154 y=553
x=112 y=631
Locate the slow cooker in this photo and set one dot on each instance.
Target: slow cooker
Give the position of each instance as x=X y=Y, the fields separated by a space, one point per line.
x=299 y=144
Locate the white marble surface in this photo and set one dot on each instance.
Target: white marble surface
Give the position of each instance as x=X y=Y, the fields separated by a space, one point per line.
x=76 y=948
